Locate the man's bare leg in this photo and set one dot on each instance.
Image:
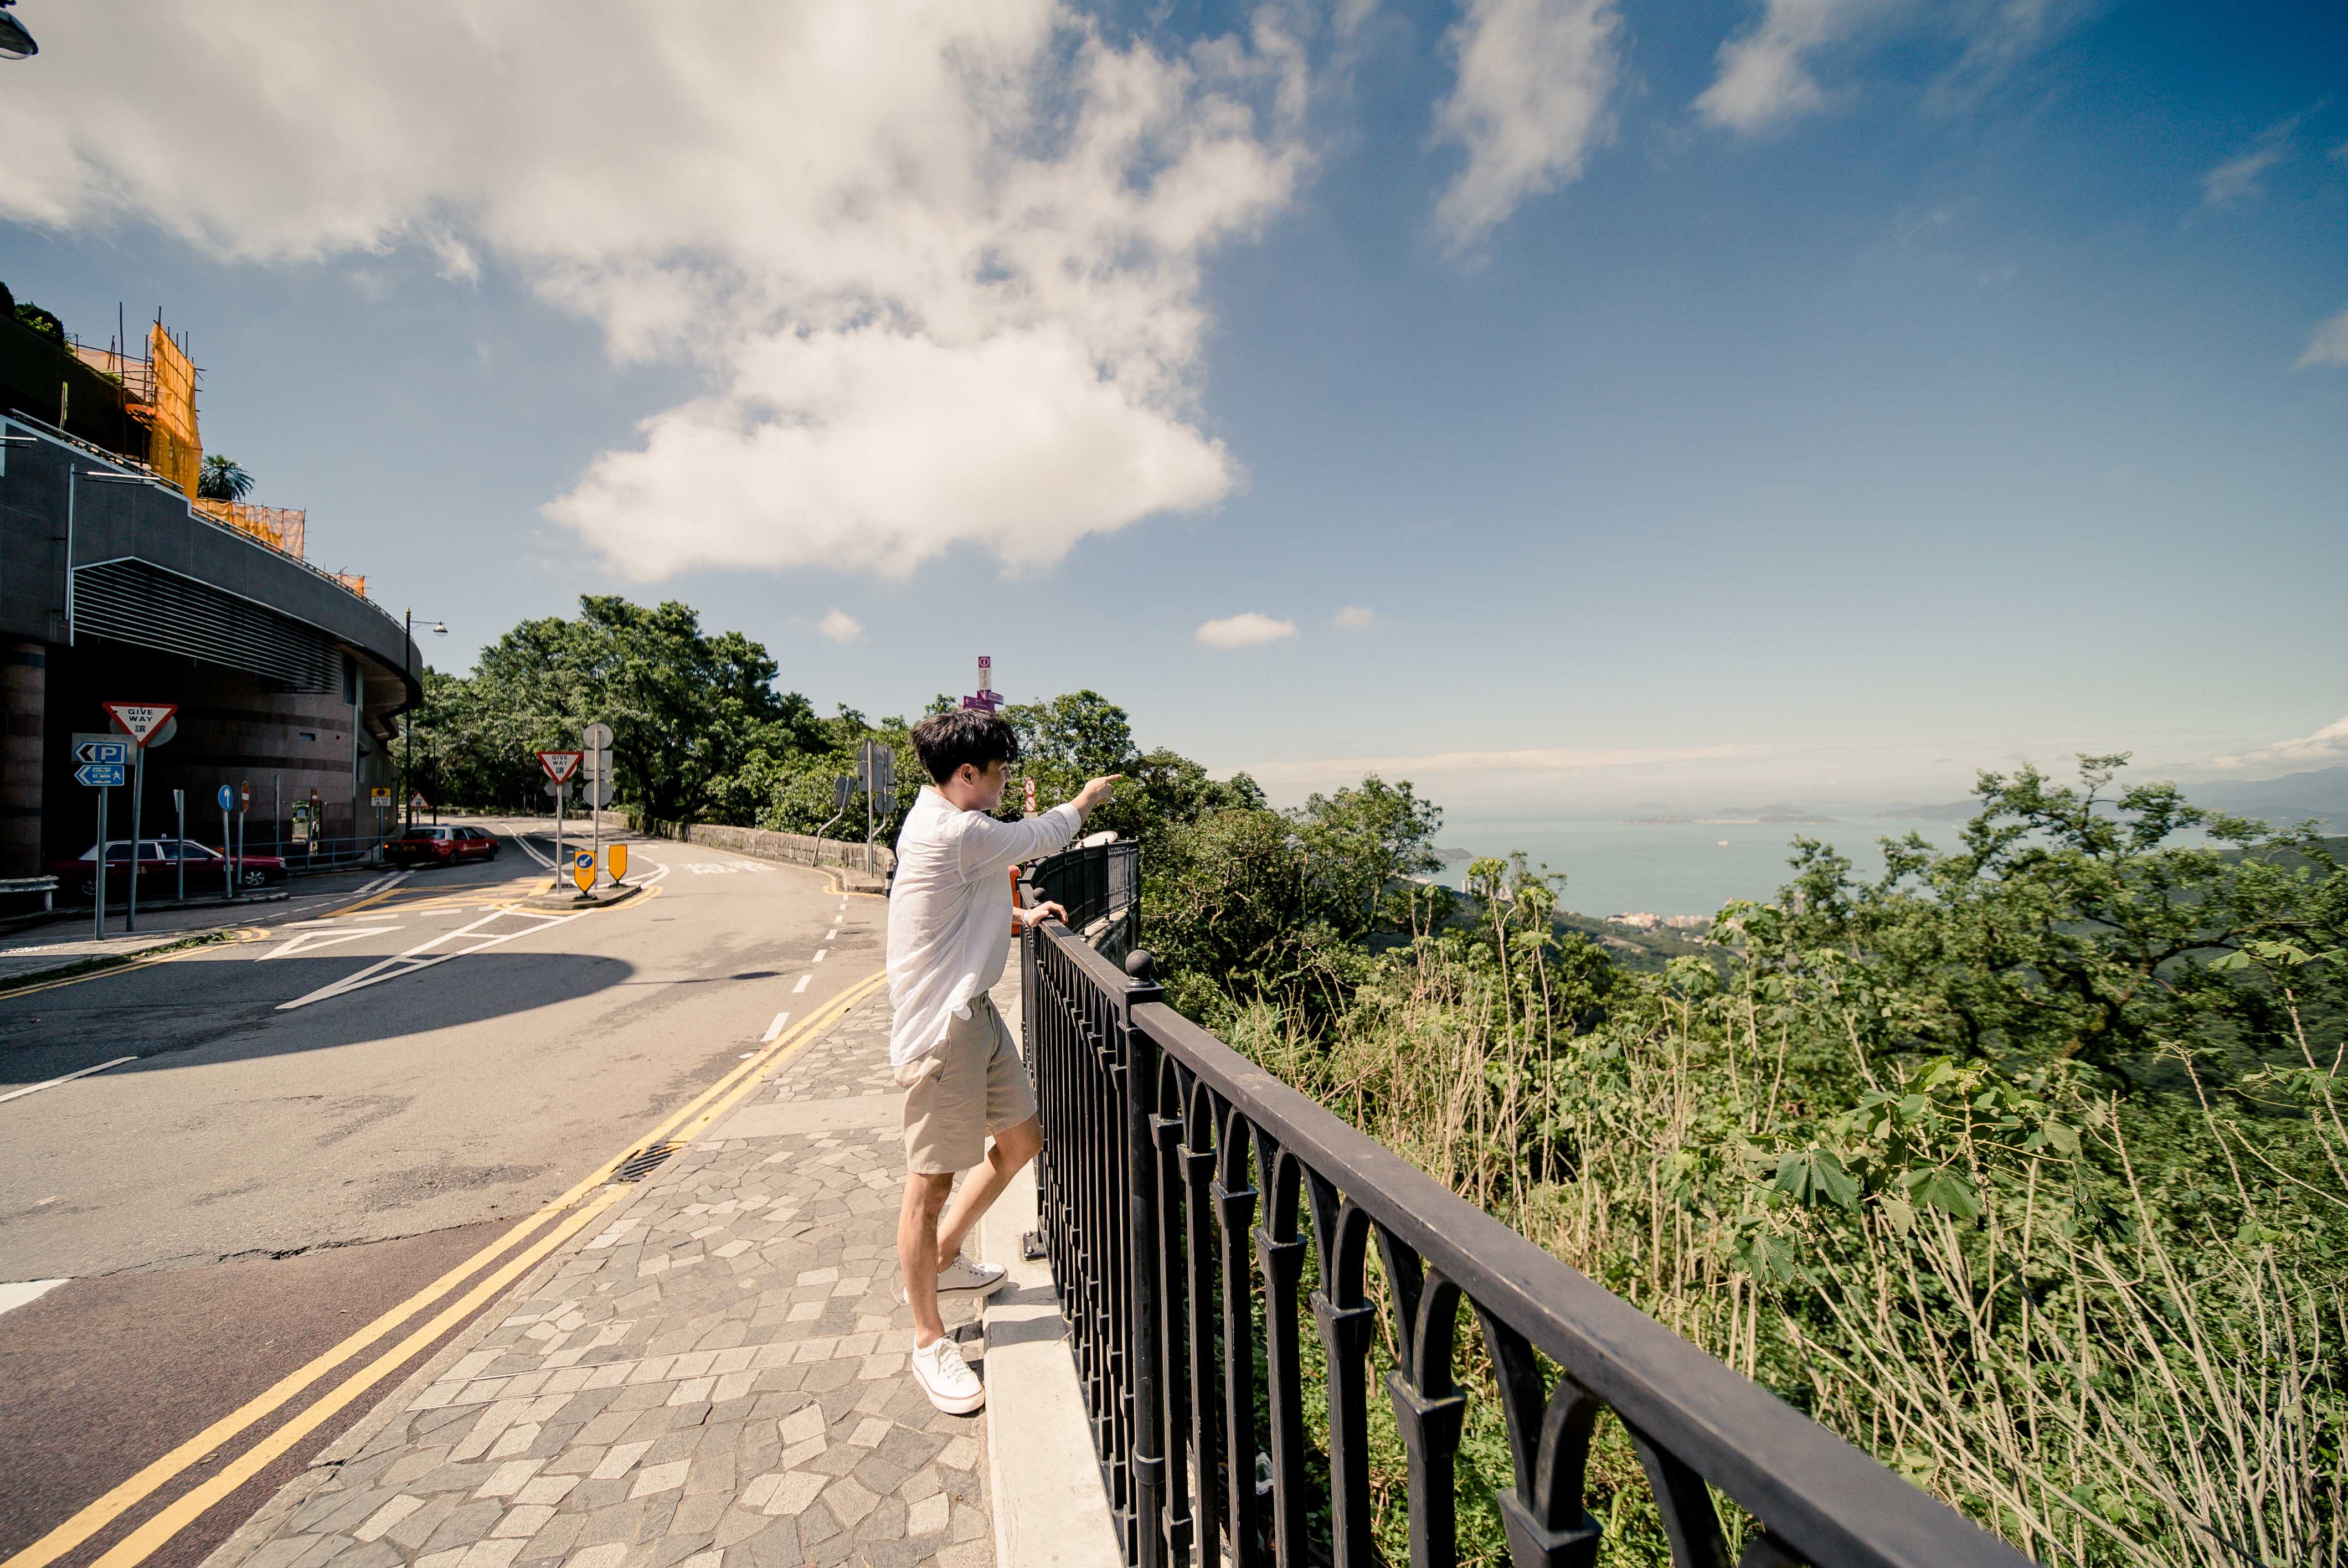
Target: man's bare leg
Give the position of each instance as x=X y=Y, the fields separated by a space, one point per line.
x=1014 y=1147
x=917 y=1250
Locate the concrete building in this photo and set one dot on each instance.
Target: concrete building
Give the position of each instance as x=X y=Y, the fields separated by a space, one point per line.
x=113 y=587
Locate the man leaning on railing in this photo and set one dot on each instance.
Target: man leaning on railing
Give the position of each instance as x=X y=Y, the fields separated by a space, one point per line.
x=950 y=928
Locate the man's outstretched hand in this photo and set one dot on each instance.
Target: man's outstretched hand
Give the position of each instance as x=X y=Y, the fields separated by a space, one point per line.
x=1095 y=792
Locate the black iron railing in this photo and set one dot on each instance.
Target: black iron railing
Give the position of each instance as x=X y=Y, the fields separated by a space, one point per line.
x=1099 y=885
x=1173 y=1180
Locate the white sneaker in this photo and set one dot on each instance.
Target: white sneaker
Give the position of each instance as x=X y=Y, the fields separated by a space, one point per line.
x=946 y=1377
x=962 y=1276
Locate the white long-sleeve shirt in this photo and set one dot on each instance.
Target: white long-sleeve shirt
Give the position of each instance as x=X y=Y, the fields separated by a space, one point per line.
x=950 y=911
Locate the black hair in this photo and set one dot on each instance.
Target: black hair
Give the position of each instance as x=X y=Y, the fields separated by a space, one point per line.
x=946 y=741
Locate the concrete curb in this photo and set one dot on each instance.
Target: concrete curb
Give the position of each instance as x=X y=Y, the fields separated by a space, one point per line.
x=99 y=963
x=1044 y=1480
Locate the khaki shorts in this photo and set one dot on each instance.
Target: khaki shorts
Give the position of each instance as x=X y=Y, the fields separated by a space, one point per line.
x=979 y=1087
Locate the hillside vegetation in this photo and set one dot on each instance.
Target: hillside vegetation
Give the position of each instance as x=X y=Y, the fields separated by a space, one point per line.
x=2024 y=1166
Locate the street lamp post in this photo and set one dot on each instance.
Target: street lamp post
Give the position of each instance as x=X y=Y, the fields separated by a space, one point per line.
x=423 y=696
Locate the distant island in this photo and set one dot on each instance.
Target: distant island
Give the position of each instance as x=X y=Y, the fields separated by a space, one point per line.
x=1777 y=816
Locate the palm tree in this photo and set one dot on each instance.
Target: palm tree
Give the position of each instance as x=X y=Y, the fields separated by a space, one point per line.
x=223 y=479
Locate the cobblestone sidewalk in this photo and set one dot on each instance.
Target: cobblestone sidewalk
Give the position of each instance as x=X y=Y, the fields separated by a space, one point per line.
x=716 y=1378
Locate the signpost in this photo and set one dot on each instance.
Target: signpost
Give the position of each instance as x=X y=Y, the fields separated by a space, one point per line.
x=597 y=738
x=559 y=766
x=876 y=770
x=104 y=762
x=243 y=808
x=179 y=845
x=141 y=722
x=987 y=698
x=227 y=798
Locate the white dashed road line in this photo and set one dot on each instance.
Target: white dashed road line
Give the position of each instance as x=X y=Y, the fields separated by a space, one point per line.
x=820 y=952
x=802 y=985
x=775 y=1030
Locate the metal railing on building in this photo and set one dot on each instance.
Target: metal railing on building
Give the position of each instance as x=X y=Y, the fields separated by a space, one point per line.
x=1180 y=1188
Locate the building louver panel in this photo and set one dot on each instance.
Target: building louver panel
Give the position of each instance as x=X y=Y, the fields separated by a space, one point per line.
x=131 y=601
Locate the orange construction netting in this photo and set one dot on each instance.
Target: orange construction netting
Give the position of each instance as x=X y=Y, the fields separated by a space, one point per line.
x=174 y=450
x=281 y=528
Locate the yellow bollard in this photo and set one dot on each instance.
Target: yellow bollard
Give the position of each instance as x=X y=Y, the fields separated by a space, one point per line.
x=615 y=860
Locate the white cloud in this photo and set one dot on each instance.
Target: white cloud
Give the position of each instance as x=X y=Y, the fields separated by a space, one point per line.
x=1769 y=75
x=2329 y=346
x=842 y=628
x=1244 y=630
x=937 y=265
x=1764 y=74
x=1543 y=760
x=1530 y=100
x=2241 y=178
x=2328 y=745
x=1355 y=618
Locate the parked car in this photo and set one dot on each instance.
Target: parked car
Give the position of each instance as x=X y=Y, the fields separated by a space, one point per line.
x=424 y=846
x=158 y=868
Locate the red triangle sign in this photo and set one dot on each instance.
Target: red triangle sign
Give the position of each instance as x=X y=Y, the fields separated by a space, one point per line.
x=558 y=766
x=140 y=719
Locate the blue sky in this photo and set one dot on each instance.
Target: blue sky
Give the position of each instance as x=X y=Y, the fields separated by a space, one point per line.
x=1811 y=400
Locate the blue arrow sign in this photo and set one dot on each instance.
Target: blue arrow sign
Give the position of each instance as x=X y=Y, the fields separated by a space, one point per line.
x=99 y=775
x=227 y=798
x=102 y=751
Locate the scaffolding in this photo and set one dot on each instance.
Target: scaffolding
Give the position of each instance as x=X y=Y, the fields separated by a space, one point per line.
x=158 y=393
x=280 y=527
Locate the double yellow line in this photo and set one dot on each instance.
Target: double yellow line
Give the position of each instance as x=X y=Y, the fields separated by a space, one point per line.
x=681 y=1125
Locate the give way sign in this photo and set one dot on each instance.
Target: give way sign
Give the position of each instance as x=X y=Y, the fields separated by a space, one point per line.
x=558 y=766
x=140 y=719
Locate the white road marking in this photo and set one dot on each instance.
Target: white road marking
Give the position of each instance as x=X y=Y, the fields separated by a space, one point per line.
x=69 y=1078
x=21 y=1292
x=775 y=1030
x=311 y=942
x=802 y=985
x=531 y=850
x=416 y=958
x=820 y=952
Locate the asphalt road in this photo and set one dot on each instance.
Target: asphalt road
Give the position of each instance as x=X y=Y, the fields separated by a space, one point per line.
x=322 y=1119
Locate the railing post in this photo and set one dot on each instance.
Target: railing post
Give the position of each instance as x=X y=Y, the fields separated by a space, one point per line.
x=1141 y=1054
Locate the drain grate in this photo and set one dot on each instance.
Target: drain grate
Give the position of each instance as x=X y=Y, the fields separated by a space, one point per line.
x=644 y=1162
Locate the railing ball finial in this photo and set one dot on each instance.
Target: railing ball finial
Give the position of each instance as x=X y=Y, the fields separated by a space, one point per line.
x=1141 y=966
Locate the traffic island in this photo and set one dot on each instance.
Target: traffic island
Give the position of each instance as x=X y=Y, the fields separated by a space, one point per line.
x=568 y=900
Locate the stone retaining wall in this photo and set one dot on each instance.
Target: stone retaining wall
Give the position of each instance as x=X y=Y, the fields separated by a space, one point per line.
x=794 y=848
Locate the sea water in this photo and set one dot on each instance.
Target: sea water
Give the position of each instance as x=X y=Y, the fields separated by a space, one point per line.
x=1612 y=866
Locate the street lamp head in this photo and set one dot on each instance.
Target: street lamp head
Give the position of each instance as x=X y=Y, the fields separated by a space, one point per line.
x=16 y=43
x=440 y=629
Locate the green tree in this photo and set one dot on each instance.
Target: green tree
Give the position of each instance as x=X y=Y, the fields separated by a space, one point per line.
x=690 y=710
x=1360 y=844
x=2089 y=923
